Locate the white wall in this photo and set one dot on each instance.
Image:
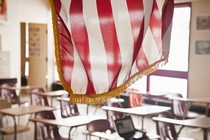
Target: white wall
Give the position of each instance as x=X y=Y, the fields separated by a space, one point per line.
x=33 y=11
x=199 y=68
x=37 y=11
x=10 y=33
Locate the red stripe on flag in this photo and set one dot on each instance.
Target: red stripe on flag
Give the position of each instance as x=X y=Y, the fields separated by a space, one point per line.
x=57 y=4
x=80 y=36
x=109 y=34
x=155 y=25
x=136 y=12
x=167 y=15
x=141 y=60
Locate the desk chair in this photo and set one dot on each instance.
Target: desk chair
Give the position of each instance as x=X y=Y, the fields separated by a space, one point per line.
x=168 y=131
x=134 y=98
x=38 y=99
x=9 y=130
x=181 y=109
x=102 y=125
x=67 y=109
x=10 y=94
x=113 y=115
x=45 y=131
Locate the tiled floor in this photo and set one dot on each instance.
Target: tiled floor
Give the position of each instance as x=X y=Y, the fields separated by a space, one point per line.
x=77 y=134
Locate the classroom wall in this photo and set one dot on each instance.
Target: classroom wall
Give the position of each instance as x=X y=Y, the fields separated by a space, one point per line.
x=10 y=38
x=199 y=68
x=29 y=11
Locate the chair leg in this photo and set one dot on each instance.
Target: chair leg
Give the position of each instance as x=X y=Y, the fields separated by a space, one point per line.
x=180 y=130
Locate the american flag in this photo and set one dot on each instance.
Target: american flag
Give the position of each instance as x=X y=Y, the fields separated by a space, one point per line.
x=104 y=46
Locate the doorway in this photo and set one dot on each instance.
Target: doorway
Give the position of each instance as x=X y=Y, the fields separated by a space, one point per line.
x=33 y=54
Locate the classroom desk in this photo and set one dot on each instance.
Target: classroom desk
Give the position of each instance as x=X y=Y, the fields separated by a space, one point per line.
x=21 y=88
x=66 y=99
x=204 y=100
x=23 y=110
x=203 y=123
x=52 y=94
x=115 y=136
x=143 y=111
x=17 y=88
x=156 y=96
x=74 y=121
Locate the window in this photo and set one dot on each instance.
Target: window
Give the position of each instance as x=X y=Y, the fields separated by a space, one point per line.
x=140 y=84
x=178 y=59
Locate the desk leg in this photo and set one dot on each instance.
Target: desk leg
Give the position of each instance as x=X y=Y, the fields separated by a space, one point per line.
x=51 y=101
x=87 y=110
x=70 y=132
x=142 y=123
x=15 y=128
x=205 y=134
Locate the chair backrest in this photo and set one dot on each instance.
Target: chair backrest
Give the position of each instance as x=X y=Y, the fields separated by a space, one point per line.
x=9 y=94
x=101 y=125
x=166 y=130
x=67 y=109
x=38 y=89
x=113 y=115
x=135 y=99
x=38 y=99
x=179 y=108
x=44 y=131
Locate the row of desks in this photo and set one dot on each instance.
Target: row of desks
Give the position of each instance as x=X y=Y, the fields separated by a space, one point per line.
x=50 y=94
x=30 y=109
x=202 y=100
x=76 y=121
x=23 y=110
x=143 y=111
x=170 y=97
x=71 y=122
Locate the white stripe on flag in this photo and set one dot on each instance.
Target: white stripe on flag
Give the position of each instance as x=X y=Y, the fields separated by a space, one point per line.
x=78 y=73
x=147 y=13
x=150 y=47
x=134 y=69
x=160 y=4
x=125 y=37
x=96 y=44
x=79 y=78
x=64 y=13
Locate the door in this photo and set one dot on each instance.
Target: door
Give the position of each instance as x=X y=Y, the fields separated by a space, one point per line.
x=37 y=55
